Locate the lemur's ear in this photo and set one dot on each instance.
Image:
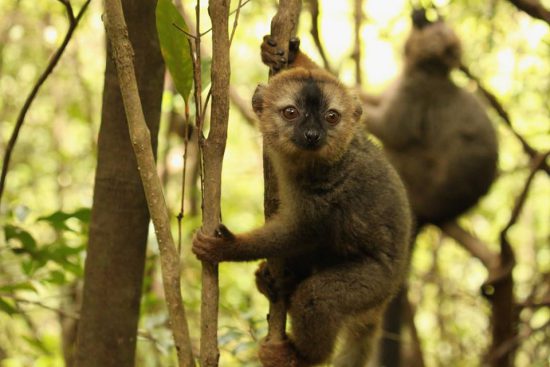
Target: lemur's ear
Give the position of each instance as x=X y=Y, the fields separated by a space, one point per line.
x=258 y=100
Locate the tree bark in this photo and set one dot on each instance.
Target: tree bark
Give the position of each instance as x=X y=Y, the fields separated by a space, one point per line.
x=213 y=151
x=283 y=27
x=119 y=224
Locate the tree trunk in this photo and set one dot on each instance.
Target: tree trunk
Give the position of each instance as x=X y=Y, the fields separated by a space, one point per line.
x=120 y=219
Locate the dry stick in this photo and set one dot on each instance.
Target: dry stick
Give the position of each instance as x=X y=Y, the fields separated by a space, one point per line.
x=534 y=8
x=494 y=102
x=244 y=106
x=505 y=317
x=283 y=27
x=472 y=244
x=73 y=23
x=314 y=10
x=213 y=151
x=141 y=141
x=358 y=20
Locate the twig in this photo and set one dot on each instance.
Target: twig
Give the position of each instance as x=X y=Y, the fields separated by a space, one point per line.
x=181 y=214
x=511 y=344
x=117 y=32
x=534 y=8
x=472 y=244
x=73 y=23
x=358 y=20
x=42 y=305
x=235 y=22
x=501 y=111
x=314 y=10
x=192 y=36
x=539 y=162
x=242 y=105
x=283 y=27
x=234 y=11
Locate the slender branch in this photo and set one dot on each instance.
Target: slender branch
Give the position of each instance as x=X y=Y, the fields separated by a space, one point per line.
x=233 y=12
x=213 y=151
x=58 y=311
x=117 y=32
x=534 y=8
x=283 y=27
x=242 y=105
x=358 y=20
x=73 y=23
x=314 y=10
x=511 y=344
x=472 y=244
x=192 y=36
x=235 y=22
x=501 y=111
x=538 y=164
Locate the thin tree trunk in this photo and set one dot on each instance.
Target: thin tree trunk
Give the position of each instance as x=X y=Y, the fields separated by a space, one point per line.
x=119 y=223
x=213 y=151
x=118 y=230
x=140 y=138
x=283 y=27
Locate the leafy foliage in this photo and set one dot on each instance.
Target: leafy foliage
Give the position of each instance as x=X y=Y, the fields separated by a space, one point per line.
x=174 y=46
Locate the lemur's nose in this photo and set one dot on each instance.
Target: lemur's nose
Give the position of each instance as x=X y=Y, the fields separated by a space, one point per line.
x=312 y=136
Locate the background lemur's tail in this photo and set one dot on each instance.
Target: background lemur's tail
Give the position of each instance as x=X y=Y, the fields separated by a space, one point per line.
x=359 y=341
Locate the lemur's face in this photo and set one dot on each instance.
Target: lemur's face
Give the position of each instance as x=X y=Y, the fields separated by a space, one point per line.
x=307 y=113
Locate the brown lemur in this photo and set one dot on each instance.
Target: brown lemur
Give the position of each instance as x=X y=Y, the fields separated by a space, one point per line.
x=436 y=134
x=343 y=224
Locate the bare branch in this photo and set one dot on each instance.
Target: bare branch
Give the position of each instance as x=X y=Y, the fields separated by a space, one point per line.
x=501 y=111
x=234 y=11
x=358 y=20
x=213 y=151
x=314 y=10
x=534 y=8
x=539 y=162
x=235 y=22
x=73 y=23
x=242 y=105
x=117 y=32
x=58 y=311
x=472 y=244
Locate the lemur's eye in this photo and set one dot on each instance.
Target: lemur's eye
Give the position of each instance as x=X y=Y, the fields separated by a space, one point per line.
x=290 y=113
x=332 y=117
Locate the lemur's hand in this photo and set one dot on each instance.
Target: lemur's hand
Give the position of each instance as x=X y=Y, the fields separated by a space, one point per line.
x=213 y=248
x=274 y=57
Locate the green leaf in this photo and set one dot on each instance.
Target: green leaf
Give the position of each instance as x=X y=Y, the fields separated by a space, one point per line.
x=7 y=307
x=59 y=218
x=25 y=238
x=10 y=288
x=175 y=46
x=29 y=267
x=83 y=214
x=57 y=277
